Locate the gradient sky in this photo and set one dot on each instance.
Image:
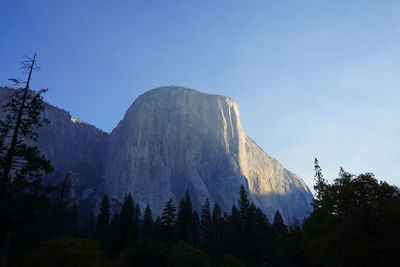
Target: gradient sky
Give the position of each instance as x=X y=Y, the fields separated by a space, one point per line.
x=312 y=78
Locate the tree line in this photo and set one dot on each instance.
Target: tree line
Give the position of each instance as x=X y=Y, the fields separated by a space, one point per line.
x=354 y=221
x=245 y=233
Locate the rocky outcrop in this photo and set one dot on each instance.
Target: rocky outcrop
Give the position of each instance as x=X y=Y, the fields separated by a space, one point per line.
x=171 y=139
x=174 y=139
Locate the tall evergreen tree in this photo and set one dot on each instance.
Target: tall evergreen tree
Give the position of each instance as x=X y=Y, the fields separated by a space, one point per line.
x=232 y=233
x=168 y=221
x=206 y=225
x=158 y=231
x=216 y=233
x=22 y=165
x=278 y=221
x=216 y=223
x=136 y=222
x=249 y=240
x=320 y=183
x=147 y=222
x=103 y=223
x=184 y=219
x=114 y=246
x=195 y=229
x=355 y=211
x=23 y=199
x=244 y=205
x=126 y=223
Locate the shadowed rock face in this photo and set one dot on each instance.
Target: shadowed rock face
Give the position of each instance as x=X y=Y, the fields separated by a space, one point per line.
x=171 y=139
x=73 y=147
x=174 y=139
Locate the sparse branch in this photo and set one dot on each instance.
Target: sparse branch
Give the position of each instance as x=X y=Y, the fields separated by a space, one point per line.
x=30 y=65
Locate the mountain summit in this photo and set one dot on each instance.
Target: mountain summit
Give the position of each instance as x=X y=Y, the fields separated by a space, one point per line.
x=171 y=140
x=174 y=139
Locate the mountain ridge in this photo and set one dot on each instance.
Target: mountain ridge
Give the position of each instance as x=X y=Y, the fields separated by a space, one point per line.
x=171 y=139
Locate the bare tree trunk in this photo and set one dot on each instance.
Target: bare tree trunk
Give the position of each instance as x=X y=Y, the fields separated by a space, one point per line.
x=11 y=151
x=8 y=159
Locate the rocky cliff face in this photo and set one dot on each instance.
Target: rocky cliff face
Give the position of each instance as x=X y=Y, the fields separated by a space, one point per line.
x=171 y=139
x=174 y=139
x=74 y=148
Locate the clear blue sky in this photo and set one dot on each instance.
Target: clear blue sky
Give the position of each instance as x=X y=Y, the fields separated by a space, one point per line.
x=312 y=78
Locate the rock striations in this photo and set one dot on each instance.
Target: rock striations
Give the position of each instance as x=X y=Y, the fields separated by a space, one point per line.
x=173 y=139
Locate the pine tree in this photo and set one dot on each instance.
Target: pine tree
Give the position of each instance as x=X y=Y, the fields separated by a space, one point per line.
x=195 y=229
x=147 y=222
x=355 y=212
x=168 y=221
x=22 y=196
x=136 y=222
x=114 y=246
x=278 y=226
x=216 y=222
x=320 y=183
x=206 y=225
x=244 y=205
x=158 y=229
x=216 y=233
x=103 y=218
x=184 y=219
x=249 y=247
x=22 y=165
x=126 y=223
x=103 y=223
x=232 y=235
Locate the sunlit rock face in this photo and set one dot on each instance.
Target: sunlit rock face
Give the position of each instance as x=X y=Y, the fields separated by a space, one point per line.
x=174 y=139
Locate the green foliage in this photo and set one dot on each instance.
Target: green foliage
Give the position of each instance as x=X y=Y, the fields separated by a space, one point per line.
x=291 y=247
x=195 y=229
x=185 y=219
x=244 y=203
x=26 y=212
x=168 y=221
x=184 y=255
x=104 y=216
x=103 y=224
x=114 y=237
x=128 y=223
x=65 y=252
x=250 y=229
x=355 y=212
x=206 y=230
x=279 y=226
x=217 y=233
x=147 y=222
x=148 y=252
x=22 y=165
x=320 y=186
